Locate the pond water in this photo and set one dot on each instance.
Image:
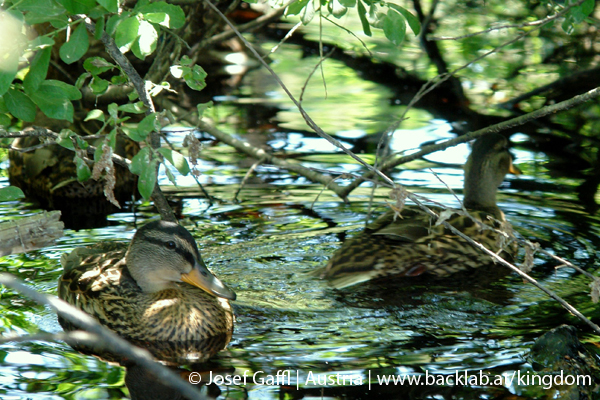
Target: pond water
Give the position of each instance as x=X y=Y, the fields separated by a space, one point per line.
x=266 y=245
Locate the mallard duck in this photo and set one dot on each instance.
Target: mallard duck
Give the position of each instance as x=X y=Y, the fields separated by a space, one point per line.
x=412 y=244
x=157 y=293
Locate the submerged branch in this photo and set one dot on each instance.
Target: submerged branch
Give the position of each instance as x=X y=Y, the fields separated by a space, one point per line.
x=502 y=126
x=109 y=339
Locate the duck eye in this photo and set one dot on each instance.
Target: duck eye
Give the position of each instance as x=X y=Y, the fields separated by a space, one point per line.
x=171 y=244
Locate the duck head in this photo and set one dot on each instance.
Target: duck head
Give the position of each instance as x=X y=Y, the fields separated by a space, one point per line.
x=486 y=167
x=162 y=253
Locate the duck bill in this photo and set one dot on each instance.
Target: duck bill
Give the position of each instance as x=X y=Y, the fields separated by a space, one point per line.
x=513 y=169
x=201 y=277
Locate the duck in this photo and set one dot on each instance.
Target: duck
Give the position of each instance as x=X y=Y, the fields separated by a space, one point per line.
x=156 y=292
x=410 y=243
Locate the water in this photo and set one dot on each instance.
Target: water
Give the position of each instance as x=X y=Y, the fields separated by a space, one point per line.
x=266 y=245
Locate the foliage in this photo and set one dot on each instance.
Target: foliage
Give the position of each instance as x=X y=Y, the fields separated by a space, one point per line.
x=61 y=25
x=379 y=14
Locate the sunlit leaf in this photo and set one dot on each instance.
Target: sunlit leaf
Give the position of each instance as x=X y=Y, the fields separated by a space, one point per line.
x=413 y=21
x=146 y=42
x=336 y=8
x=176 y=159
x=126 y=34
x=134 y=108
x=362 y=14
x=95 y=115
x=296 y=7
x=160 y=18
x=394 y=27
x=176 y=15
x=308 y=13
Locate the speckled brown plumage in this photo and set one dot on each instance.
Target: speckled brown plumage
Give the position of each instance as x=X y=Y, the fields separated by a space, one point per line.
x=178 y=324
x=411 y=244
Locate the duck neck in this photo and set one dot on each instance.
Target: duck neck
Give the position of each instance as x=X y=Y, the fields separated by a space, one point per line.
x=480 y=191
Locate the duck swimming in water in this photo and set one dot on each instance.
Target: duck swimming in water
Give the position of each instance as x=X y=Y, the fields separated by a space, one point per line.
x=157 y=293
x=412 y=244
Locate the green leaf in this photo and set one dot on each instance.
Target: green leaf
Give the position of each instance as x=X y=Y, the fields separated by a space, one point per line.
x=159 y=18
x=194 y=77
x=76 y=47
x=144 y=165
x=413 y=21
x=57 y=21
x=176 y=14
x=48 y=8
x=64 y=139
x=54 y=101
x=70 y=91
x=114 y=21
x=170 y=175
x=362 y=14
x=127 y=33
x=38 y=70
x=296 y=7
x=308 y=13
x=348 y=3
x=336 y=8
x=95 y=115
x=111 y=5
x=137 y=162
x=394 y=27
x=113 y=111
x=78 y=6
x=5 y=121
x=11 y=193
x=97 y=65
x=40 y=42
x=134 y=108
x=146 y=42
x=202 y=107
x=99 y=28
x=176 y=159
x=147 y=125
x=147 y=180
x=98 y=85
x=587 y=7
x=19 y=105
x=83 y=170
